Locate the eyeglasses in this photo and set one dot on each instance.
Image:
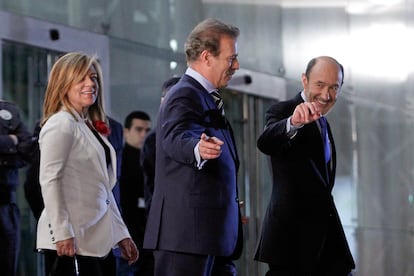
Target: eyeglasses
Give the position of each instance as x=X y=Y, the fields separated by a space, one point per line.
x=232 y=59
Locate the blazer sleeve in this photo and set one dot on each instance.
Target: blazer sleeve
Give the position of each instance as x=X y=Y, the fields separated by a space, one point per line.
x=181 y=129
x=274 y=138
x=120 y=230
x=55 y=141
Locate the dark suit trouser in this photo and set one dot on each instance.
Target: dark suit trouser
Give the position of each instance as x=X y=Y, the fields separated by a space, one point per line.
x=108 y=265
x=332 y=263
x=9 y=238
x=280 y=272
x=223 y=267
x=332 y=260
x=168 y=263
x=143 y=267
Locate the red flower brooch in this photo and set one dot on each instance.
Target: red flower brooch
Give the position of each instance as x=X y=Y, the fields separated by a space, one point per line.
x=102 y=128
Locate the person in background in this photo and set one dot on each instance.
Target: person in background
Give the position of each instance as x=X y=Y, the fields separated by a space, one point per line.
x=148 y=151
x=15 y=151
x=80 y=223
x=116 y=138
x=136 y=126
x=302 y=233
x=31 y=185
x=194 y=220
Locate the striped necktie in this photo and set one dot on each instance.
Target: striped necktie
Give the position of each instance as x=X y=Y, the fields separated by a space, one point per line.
x=218 y=101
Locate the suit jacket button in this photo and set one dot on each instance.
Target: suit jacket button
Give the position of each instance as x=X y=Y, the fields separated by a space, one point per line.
x=50 y=225
x=107 y=202
x=53 y=239
x=51 y=232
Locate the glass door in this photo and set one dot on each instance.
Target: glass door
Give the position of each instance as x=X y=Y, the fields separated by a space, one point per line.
x=246 y=114
x=25 y=71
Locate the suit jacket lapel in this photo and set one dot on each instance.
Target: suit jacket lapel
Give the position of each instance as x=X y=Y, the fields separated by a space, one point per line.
x=229 y=135
x=320 y=172
x=328 y=171
x=332 y=163
x=320 y=168
x=227 y=132
x=317 y=157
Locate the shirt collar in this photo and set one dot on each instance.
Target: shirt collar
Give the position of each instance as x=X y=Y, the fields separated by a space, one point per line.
x=202 y=80
x=302 y=94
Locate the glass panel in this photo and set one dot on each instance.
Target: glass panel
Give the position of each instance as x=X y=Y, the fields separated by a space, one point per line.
x=246 y=116
x=137 y=74
x=165 y=24
x=25 y=72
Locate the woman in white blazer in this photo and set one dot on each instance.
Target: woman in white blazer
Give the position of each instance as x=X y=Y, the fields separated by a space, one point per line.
x=80 y=223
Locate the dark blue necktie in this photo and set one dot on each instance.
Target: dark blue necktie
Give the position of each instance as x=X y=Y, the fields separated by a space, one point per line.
x=218 y=100
x=325 y=138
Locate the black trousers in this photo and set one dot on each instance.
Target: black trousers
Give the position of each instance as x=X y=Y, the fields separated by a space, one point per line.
x=108 y=265
x=66 y=266
x=9 y=238
x=332 y=262
x=169 y=263
x=273 y=271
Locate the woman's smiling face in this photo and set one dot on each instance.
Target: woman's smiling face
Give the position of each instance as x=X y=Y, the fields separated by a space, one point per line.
x=83 y=94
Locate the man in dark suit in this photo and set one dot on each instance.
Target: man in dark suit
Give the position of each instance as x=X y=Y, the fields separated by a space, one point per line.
x=194 y=220
x=302 y=233
x=148 y=151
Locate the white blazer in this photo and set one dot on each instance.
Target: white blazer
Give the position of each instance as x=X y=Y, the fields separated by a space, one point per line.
x=77 y=188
